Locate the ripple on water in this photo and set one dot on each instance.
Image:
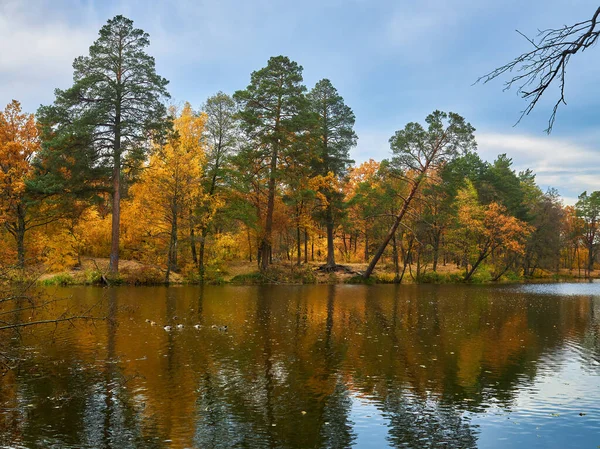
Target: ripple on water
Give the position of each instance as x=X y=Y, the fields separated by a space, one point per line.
x=437 y=366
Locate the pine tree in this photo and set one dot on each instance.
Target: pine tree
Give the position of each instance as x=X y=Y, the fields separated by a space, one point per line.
x=273 y=113
x=335 y=137
x=112 y=110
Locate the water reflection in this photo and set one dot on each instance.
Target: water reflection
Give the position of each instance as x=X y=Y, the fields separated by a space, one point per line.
x=320 y=366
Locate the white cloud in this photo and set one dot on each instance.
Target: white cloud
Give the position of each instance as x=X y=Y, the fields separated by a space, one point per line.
x=38 y=50
x=565 y=164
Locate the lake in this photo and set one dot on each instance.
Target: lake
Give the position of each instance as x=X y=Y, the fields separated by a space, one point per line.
x=321 y=366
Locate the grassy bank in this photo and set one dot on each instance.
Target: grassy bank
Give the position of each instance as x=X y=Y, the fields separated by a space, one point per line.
x=94 y=272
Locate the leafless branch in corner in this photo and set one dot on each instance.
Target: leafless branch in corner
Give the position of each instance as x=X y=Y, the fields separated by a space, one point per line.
x=546 y=63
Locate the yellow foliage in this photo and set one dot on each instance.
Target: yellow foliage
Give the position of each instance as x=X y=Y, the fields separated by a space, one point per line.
x=59 y=252
x=168 y=192
x=18 y=142
x=483 y=230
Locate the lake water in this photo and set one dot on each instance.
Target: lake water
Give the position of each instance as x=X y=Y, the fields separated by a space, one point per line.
x=311 y=367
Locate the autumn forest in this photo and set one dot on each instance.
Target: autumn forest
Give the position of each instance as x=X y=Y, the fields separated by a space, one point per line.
x=112 y=183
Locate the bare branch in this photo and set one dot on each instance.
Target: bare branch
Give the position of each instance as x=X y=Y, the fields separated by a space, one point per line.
x=546 y=64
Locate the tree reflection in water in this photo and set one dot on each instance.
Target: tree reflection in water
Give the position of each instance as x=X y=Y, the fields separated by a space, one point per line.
x=288 y=370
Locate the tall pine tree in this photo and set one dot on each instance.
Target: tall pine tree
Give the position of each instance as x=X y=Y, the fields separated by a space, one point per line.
x=335 y=137
x=114 y=106
x=273 y=114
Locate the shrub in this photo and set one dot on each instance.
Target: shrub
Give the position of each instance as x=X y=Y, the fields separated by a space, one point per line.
x=59 y=279
x=361 y=280
x=249 y=279
x=385 y=278
x=92 y=277
x=433 y=277
x=143 y=275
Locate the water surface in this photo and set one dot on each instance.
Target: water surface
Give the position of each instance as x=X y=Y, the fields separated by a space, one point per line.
x=312 y=367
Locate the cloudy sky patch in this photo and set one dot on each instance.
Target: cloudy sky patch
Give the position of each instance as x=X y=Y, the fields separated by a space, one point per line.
x=393 y=61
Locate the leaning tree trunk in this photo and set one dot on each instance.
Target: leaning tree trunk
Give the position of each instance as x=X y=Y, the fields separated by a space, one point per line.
x=397 y=222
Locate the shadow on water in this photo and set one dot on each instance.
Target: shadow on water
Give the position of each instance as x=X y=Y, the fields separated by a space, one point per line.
x=311 y=367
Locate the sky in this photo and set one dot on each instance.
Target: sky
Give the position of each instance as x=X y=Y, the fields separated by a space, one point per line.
x=393 y=61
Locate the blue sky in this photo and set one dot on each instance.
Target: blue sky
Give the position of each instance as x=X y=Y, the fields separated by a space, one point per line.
x=392 y=61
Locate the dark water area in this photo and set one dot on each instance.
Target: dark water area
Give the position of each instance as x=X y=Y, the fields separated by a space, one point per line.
x=311 y=367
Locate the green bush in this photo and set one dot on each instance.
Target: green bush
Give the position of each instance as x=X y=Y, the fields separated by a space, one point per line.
x=358 y=279
x=385 y=278
x=433 y=277
x=59 y=279
x=92 y=277
x=511 y=276
x=481 y=276
x=249 y=279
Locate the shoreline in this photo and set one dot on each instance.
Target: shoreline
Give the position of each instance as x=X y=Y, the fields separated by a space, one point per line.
x=133 y=273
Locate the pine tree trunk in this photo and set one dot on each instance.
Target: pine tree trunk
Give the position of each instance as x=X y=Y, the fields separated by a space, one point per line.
x=298 y=246
x=590 y=266
x=330 y=248
x=305 y=246
x=436 y=249
x=116 y=205
x=266 y=243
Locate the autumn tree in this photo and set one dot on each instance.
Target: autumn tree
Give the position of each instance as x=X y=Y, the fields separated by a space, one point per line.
x=273 y=112
x=588 y=209
x=335 y=137
x=417 y=150
x=437 y=213
x=22 y=206
x=114 y=106
x=362 y=197
x=171 y=184
x=571 y=230
x=483 y=230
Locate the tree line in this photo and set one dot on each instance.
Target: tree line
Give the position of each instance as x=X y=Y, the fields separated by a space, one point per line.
x=264 y=175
